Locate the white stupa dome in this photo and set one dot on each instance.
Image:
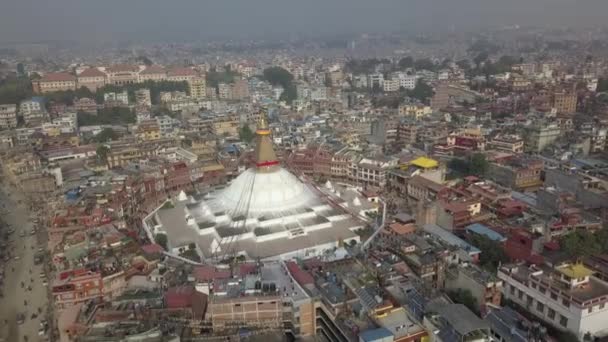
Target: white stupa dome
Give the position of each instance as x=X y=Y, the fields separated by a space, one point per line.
x=266 y=191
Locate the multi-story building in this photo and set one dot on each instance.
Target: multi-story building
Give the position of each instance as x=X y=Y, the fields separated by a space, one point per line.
x=118 y=98
x=372 y=170
x=240 y=90
x=76 y=286
x=227 y=125
x=375 y=81
x=509 y=143
x=407 y=81
x=59 y=81
x=541 y=136
x=415 y=111
x=122 y=74
x=483 y=285
x=564 y=102
x=85 y=105
x=142 y=97
x=33 y=105
x=391 y=85
x=520 y=174
x=567 y=297
x=197 y=87
x=153 y=73
x=181 y=74
x=92 y=79
x=246 y=309
x=8 y=116
x=148 y=130
x=225 y=91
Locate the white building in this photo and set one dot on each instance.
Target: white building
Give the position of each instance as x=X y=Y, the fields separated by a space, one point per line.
x=407 y=81
x=31 y=106
x=375 y=80
x=318 y=94
x=117 y=97
x=391 y=85
x=567 y=297
x=8 y=116
x=167 y=125
x=143 y=98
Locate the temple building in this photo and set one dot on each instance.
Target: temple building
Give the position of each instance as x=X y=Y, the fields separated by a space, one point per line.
x=265 y=213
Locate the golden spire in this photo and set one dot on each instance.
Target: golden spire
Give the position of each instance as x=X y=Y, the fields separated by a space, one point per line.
x=262 y=126
x=265 y=158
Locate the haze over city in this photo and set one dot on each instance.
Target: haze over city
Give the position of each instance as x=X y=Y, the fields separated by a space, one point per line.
x=157 y=20
x=310 y=170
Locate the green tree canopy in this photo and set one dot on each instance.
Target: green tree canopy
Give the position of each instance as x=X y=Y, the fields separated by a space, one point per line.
x=107 y=116
x=582 y=243
x=214 y=78
x=102 y=153
x=406 y=62
x=465 y=297
x=424 y=64
x=492 y=252
x=422 y=92
x=106 y=134
x=161 y=239
x=479 y=164
x=279 y=76
x=246 y=134
x=13 y=90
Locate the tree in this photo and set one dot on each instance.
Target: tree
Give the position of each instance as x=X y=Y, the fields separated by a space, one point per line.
x=102 y=153
x=424 y=64
x=13 y=90
x=602 y=85
x=245 y=134
x=107 y=116
x=214 y=78
x=421 y=92
x=406 y=63
x=281 y=77
x=581 y=243
x=492 y=252
x=20 y=69
x=465 y=297
x=145 y=60
x=107 y=134
x=191 y=246
x=479 y=164
x=480 y=58
x=161 y=239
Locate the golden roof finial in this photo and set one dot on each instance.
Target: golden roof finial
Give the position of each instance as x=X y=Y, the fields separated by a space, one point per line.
x=262 y=126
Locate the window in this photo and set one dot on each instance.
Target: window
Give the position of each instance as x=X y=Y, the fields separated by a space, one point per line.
x=533 y=285
x=550 y=313
x=602 y=306
x=566 y=302
x=553 y=295
x=520 y=294
x=529 y=300
x=512 y=288
x=540 y=307
x=563 y=321
x=590 y=310
x=542 y=290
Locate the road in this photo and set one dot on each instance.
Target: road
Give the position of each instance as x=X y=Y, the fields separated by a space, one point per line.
x=17 y=270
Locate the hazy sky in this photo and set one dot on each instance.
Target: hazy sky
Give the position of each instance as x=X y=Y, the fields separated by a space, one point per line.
x=102 y=20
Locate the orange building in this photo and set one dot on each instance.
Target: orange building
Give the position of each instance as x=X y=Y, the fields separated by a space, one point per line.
x=76 y=286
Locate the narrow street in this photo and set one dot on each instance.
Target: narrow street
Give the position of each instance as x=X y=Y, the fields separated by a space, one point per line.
x=25 y=290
